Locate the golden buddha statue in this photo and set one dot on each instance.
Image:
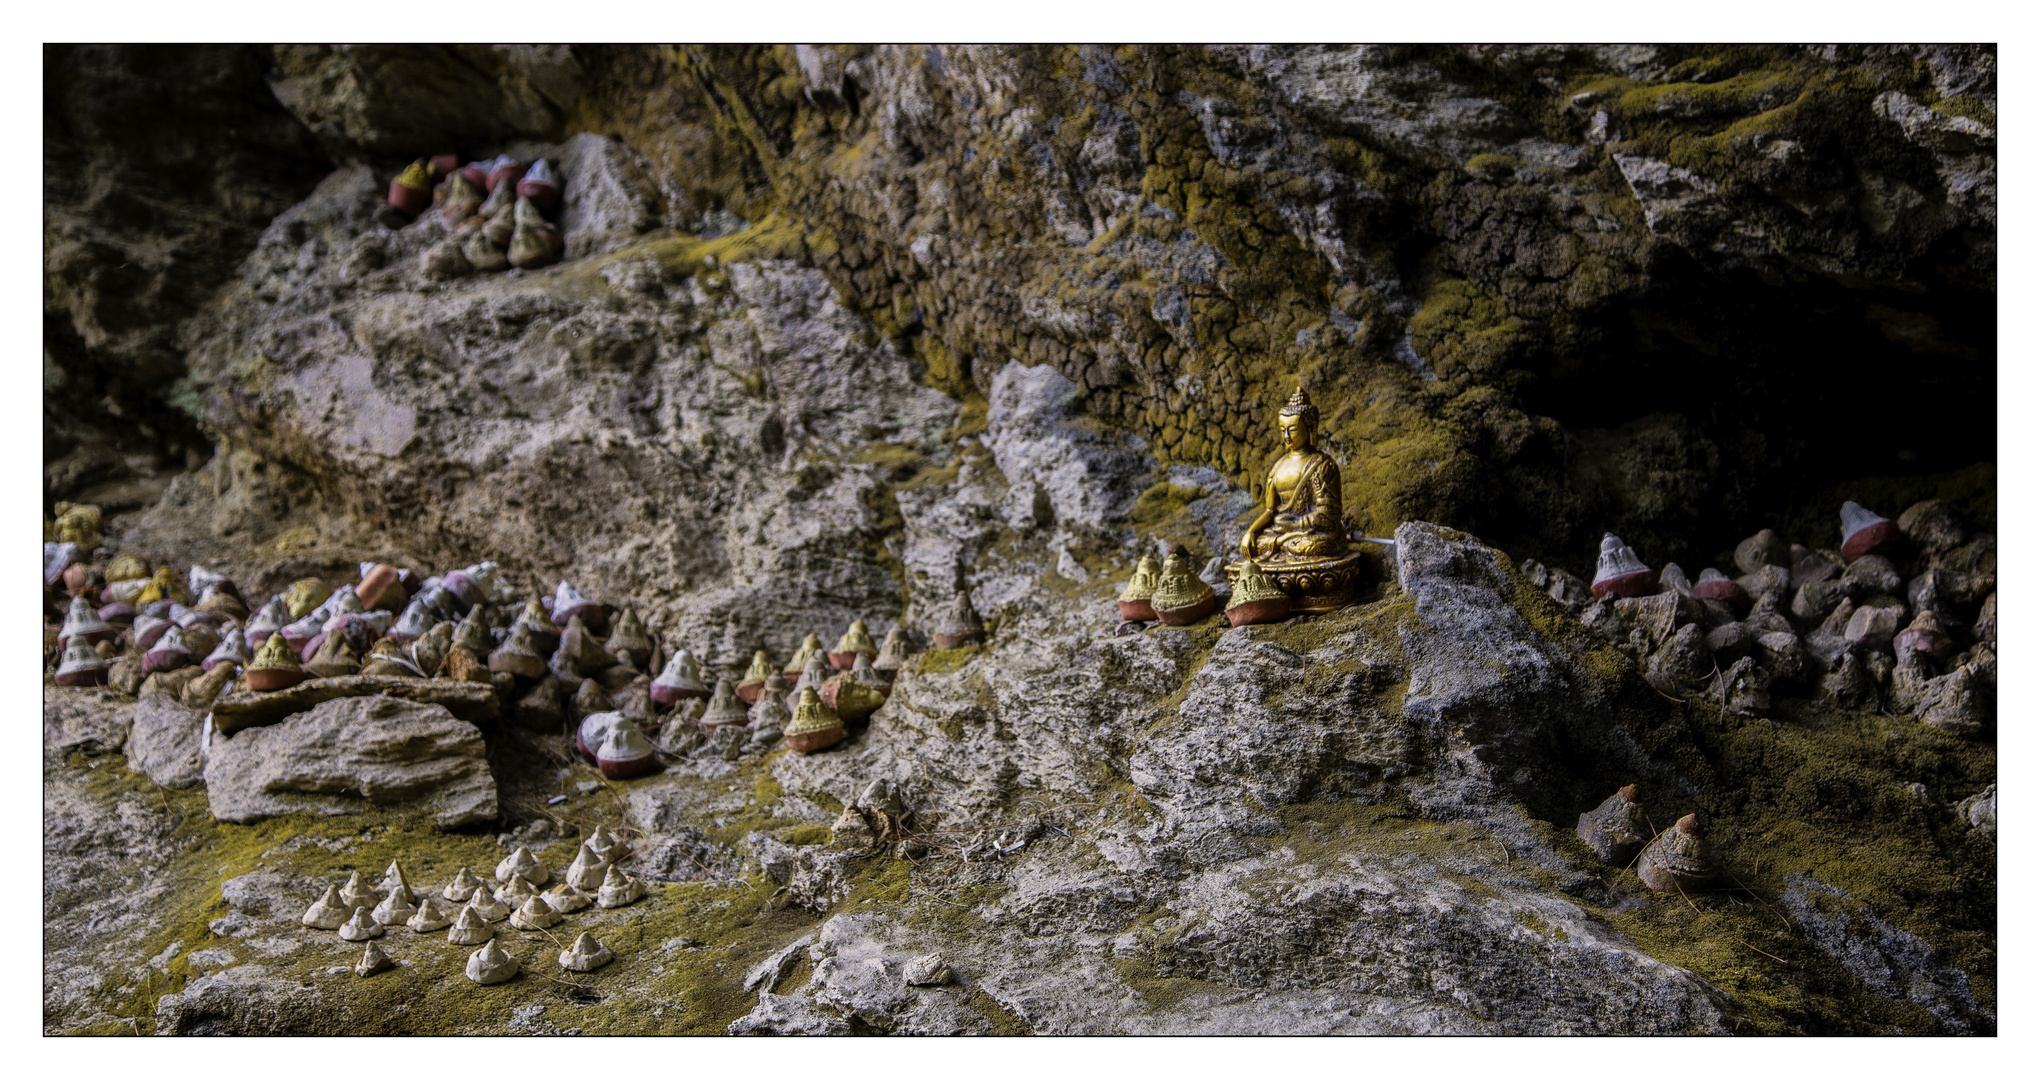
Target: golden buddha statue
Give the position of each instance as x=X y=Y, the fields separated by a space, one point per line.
x=1299 y=540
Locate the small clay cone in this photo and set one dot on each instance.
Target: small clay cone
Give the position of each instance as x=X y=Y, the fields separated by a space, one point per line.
x=461 y=887
x=490 y=965
x=373 y=959
x=485 y=904
x=619 y=889
x=566 y=899
x=585 y=954
x=469 y=928
x=356 y=892
x=522 y=863
x=361 y=927
x=534 y=914
x=431 y=916
x=329 y=912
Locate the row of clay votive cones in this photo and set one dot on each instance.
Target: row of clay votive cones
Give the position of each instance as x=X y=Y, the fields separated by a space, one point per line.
x=362 y=914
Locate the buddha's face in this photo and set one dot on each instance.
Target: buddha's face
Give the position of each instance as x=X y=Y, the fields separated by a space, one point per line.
x=1296 y=433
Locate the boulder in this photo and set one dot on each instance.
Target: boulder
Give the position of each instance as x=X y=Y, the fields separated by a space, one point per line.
x=348 y=755
x=93 y=718
x=163 y=742
x=605 y=200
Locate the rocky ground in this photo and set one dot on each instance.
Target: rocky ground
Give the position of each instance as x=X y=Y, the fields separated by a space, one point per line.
x=846 y=333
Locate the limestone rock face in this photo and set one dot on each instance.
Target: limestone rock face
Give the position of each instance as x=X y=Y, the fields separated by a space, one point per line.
x=346 y=755
x=866 y=332
x=1089 y=478
x=404 y=100
x=1269 y=733
x=133 y=247
x=676 y=424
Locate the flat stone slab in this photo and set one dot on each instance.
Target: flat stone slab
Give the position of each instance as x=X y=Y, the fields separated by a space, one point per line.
x=237 y=709
x=351 y=755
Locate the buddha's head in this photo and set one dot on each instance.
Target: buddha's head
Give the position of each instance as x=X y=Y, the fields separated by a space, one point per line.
x=1298 y=421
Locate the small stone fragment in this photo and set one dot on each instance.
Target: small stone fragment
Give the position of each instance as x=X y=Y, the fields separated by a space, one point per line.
x=1744 y=689
x=1872 y=628
x=1980 y=810
x=1933 y=526
x=1954 y=703
x=1766 y=548
x=929 y=970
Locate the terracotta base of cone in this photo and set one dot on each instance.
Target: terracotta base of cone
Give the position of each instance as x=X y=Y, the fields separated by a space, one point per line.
x=120 y=614
x=1641 y=583
x=443 y=165
x=88 y=677
x=380 y=580
x=509 y=173
x=148 y=637
x=1252 y=612
x=627 y=770
x=807 y=742
x=211 y=664
x=1184 y=616
x=164 y=660
x=464 y=587
x=409 y=199
x=1875 y=539
x=265 y=679
x=542 y=195
x=844 y=661
x=475 y=175
x=592 y=617
x=1728 y=592
x=954 y=641
x=750 y=692
x=1137 y=610
x=1665 y=881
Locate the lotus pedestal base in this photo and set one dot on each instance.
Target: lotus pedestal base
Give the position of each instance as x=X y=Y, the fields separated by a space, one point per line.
x=1314 y=585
